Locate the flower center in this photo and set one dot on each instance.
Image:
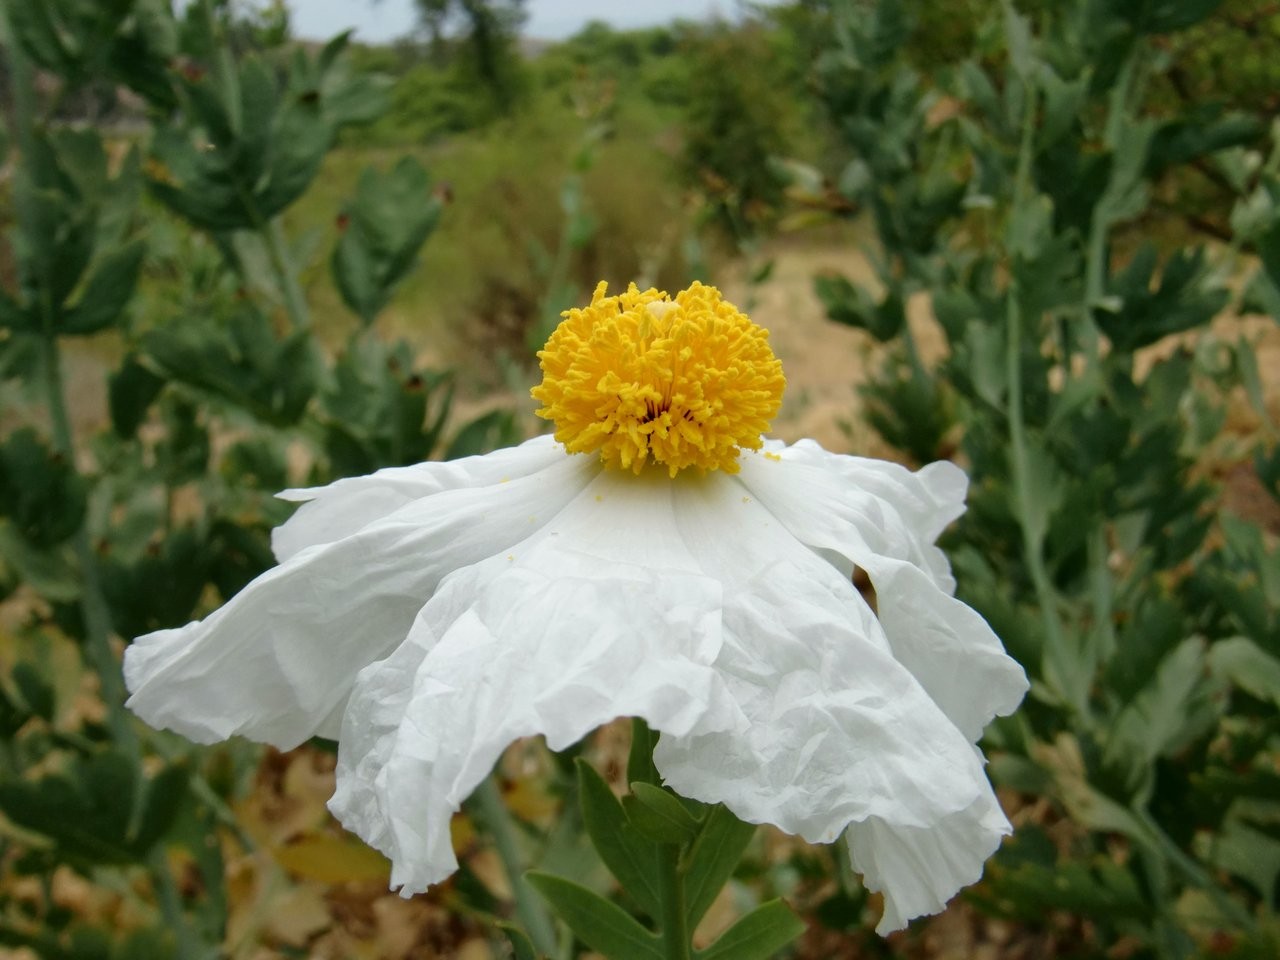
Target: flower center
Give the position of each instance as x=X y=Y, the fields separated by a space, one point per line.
x=640 y=376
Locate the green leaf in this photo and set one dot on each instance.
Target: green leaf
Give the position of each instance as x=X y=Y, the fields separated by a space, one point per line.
x=1248 y=853
x=1175 y=706
x=757 y=936
x=712 y=859
x=489 y=431
x=521 y=946
x=130 y=391
x=659 y=814
x=1149 y=311
x=15 y=317
x=1017 y=32
x=854 y=307
x=640 y=758
x=106 y=292
x=87 y=808
x=1248 y=666
x=384 y=228
x=601 y=925
x=630 y=858
x=48 y=570
x=40 y=492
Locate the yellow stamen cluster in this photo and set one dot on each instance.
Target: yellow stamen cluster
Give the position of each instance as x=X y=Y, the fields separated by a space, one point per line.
x=684 y=382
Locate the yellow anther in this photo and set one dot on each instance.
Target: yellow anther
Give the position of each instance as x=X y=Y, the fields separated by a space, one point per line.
x=685 y=382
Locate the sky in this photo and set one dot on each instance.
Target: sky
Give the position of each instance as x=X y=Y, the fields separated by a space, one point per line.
x=376 y=22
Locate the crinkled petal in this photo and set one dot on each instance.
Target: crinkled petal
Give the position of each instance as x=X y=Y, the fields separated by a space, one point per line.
x=919 y=870
x=838 y=730
x=884 y=519
x=277 y=662
x=601 y=613
x=343 y=507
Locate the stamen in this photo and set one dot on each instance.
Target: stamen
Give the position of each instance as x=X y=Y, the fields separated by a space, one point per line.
x=641 y=377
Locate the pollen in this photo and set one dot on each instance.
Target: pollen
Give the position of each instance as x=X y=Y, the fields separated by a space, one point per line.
x=644 y=378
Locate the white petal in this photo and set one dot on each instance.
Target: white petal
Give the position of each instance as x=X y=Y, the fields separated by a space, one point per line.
x=345 y=506
x=602 y=613
x=838 y=729
x=277 y=662
x=884 y=519
x=919 y=870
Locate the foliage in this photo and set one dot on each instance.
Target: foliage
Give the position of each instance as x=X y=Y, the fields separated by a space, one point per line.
x=170 y=248
x=733 y=128
x=1007 y=192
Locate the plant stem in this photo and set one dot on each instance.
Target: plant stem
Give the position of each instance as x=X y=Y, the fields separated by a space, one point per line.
x=533 y=916
x=93 y=604
x=1020 y=464
x=277 y=245
x=676 y=937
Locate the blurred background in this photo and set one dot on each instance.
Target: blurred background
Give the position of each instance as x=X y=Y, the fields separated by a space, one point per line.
x=244 y=249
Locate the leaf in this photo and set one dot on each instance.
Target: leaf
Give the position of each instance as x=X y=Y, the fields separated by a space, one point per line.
x=1018 y=37
x=1248 y=853
x=599 y=924
x=106 y=292
x=40 y=492
x=659 y=815
x=1248 y=666
x=712 y=859
x=386 y=226
x=631 y=859
x=757 y=936
x=15 y=317
x=1149 y=311
x=488 y=431
x=48 y=570
x=521 y=946
x=1173 y=707
x=86 y=810
x=854 y=307
x=130 y=392
x=333 y=859
x=640 y=757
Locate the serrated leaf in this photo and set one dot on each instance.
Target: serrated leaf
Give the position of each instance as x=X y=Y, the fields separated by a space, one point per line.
x=757 y=936
x=631 y=859
x=712 y=859
x=601 y=925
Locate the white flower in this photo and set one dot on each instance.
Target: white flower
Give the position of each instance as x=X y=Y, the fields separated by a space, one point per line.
x=427 y=616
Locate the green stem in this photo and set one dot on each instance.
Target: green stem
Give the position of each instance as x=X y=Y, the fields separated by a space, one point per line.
x=1020 y=464
x=1104 y=630
x=529 y=909
x=170 y=902
x=295 y=303
x=223 y=65
x=93 y=604
x=676 y=936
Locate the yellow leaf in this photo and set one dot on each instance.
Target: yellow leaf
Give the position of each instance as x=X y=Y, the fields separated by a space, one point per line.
x=331 y=859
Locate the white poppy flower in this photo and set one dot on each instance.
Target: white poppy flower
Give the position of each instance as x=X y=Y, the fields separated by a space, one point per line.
x=691 y=574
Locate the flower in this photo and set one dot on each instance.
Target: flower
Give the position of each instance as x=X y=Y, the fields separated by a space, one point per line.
x=691 y=573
